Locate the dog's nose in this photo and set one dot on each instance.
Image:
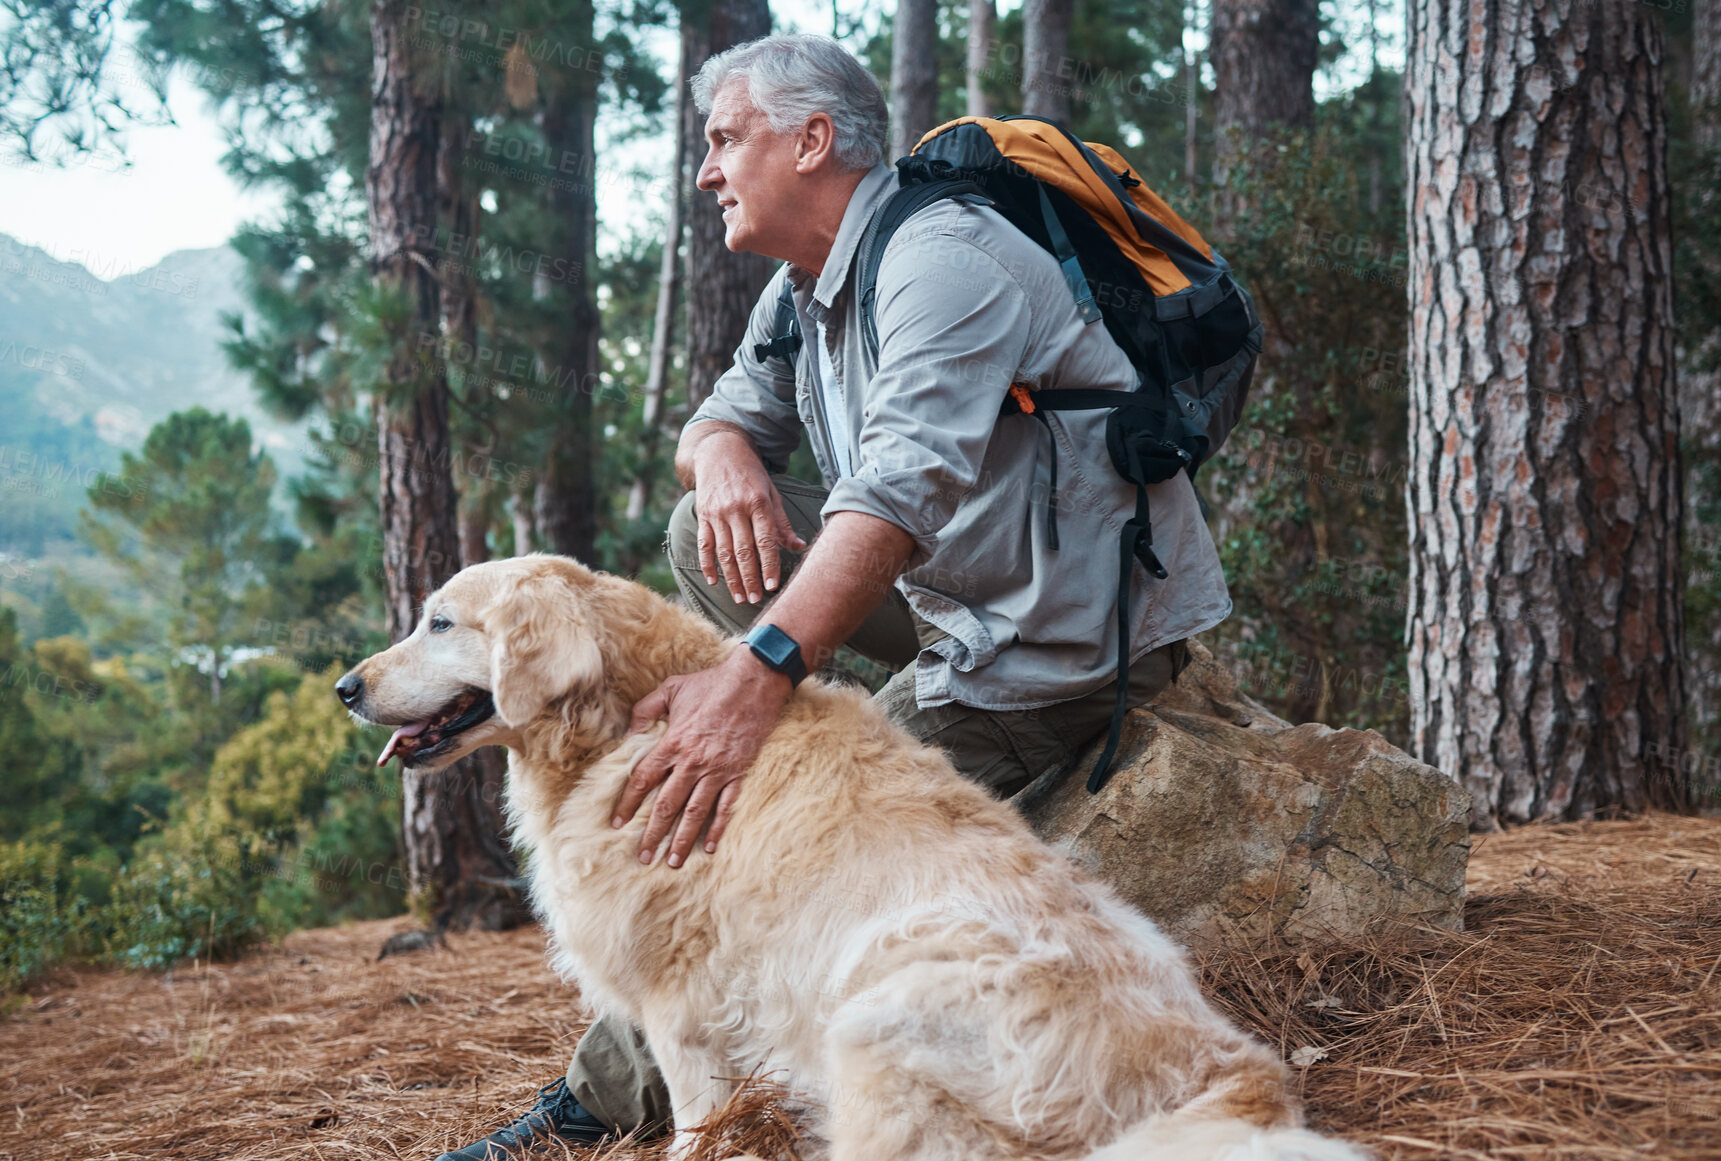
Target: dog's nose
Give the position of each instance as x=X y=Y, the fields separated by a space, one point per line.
x=349 y=689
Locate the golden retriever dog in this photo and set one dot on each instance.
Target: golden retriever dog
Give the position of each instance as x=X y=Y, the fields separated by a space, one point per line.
x=886 y=938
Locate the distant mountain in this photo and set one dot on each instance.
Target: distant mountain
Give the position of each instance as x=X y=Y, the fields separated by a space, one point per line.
x=92 y=357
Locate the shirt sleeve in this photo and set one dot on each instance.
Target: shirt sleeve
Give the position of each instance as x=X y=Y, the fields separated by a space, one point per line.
x=758 y=395
x=953 y=329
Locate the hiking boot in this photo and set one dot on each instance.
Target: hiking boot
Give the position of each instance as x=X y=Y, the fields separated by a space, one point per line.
x=556 y=1117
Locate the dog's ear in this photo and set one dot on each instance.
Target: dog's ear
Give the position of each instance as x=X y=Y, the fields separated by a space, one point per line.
x=540 y=649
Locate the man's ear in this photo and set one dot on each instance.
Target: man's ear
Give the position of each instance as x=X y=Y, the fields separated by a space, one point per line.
x=816 y=144
x=540 y=648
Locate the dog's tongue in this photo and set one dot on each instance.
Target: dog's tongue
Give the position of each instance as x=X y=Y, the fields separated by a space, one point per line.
x=407 y=731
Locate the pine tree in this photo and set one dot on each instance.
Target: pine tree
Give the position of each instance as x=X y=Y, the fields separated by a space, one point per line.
x=1546 y=620
x=190 y=514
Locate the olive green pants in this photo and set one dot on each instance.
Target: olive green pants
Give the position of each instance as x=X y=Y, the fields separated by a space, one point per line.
x=612 y=1072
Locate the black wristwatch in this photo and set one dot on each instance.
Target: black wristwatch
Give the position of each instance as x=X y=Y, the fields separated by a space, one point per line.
x=779 y=651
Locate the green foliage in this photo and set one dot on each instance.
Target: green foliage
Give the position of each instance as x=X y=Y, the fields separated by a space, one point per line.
x=194 y=507
x=21 y=793
x=292 y=828
x=1694 y=162
x=43 y=918
x=1309 y=493
x=194 y=898
x=58 y=92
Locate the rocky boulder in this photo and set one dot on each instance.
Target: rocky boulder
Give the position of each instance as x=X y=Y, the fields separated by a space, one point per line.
x=1225 y=823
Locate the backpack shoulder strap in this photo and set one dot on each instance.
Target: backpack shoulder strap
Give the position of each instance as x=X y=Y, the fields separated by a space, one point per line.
x=786 y=331
x=869 y=254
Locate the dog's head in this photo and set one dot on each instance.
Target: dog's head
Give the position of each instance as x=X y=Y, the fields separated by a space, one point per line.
x=495 y=648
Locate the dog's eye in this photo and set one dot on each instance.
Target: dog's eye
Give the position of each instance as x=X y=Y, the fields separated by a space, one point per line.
x=440 y=624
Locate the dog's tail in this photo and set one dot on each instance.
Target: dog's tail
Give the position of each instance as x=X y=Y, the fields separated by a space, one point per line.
x=1196 y=1135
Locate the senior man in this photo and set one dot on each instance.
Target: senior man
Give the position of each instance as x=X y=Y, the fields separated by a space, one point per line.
x=925 y=551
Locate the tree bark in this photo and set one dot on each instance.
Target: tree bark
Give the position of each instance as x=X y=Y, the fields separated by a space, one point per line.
x=1545 y=615
x=566 y=496
x=725 y=285
x=1046 y=71
x=458 y=866
x=411 y=404
x=1264 y=54
x=913 y=74
x=663 y=322
x=982 y=37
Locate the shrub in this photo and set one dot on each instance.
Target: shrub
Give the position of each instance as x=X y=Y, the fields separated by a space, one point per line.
x=43 y=919
x=191 y=894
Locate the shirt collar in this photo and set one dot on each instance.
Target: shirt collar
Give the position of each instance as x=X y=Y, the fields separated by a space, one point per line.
x=877 y=185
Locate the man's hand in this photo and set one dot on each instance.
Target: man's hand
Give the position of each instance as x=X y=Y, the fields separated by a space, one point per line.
x=719 y=719
x=741 y=517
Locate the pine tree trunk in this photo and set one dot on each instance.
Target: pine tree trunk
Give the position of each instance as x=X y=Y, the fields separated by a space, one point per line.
x=982 y=37
x=458 y=866
x=566 y=497
x=913 y=74
x=722 y=286
x=420 y=549
x=1264 y=54
x=1545 y=617
x=1046 y=66
x=663 y=323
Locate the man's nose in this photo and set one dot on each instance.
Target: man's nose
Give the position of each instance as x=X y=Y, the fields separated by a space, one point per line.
x=350 y=688
x=709 y=174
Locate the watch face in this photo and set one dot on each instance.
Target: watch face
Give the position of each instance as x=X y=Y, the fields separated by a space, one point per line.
x=772 y=643
x=778 y=650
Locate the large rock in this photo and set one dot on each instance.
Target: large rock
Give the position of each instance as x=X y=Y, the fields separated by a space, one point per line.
x=1225 y=823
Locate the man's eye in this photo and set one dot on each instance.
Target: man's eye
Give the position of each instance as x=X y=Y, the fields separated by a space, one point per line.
x=440 y=624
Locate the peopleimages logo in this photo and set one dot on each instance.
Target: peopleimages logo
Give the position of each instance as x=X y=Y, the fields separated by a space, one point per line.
x=45 y=359
x=19 y=465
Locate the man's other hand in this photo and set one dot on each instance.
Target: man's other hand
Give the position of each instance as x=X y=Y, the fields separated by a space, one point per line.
x=741 y=518
x=719 y=719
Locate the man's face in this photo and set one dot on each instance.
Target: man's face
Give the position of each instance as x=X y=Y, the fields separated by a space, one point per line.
x=752 y=172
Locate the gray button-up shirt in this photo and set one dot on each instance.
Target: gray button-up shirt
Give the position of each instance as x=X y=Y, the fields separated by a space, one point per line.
x=967 y=305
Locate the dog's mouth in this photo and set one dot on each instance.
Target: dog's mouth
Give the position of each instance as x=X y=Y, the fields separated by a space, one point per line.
x=416 y=741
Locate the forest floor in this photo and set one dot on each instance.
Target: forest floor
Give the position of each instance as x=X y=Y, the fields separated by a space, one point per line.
x=1578 y=1016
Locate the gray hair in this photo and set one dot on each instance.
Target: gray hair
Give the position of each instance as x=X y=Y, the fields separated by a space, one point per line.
x=791 y=76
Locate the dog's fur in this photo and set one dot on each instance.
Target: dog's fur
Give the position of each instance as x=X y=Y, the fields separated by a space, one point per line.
x=879 y=933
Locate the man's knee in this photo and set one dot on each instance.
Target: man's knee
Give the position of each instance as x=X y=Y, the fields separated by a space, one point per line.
x=681 y=541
